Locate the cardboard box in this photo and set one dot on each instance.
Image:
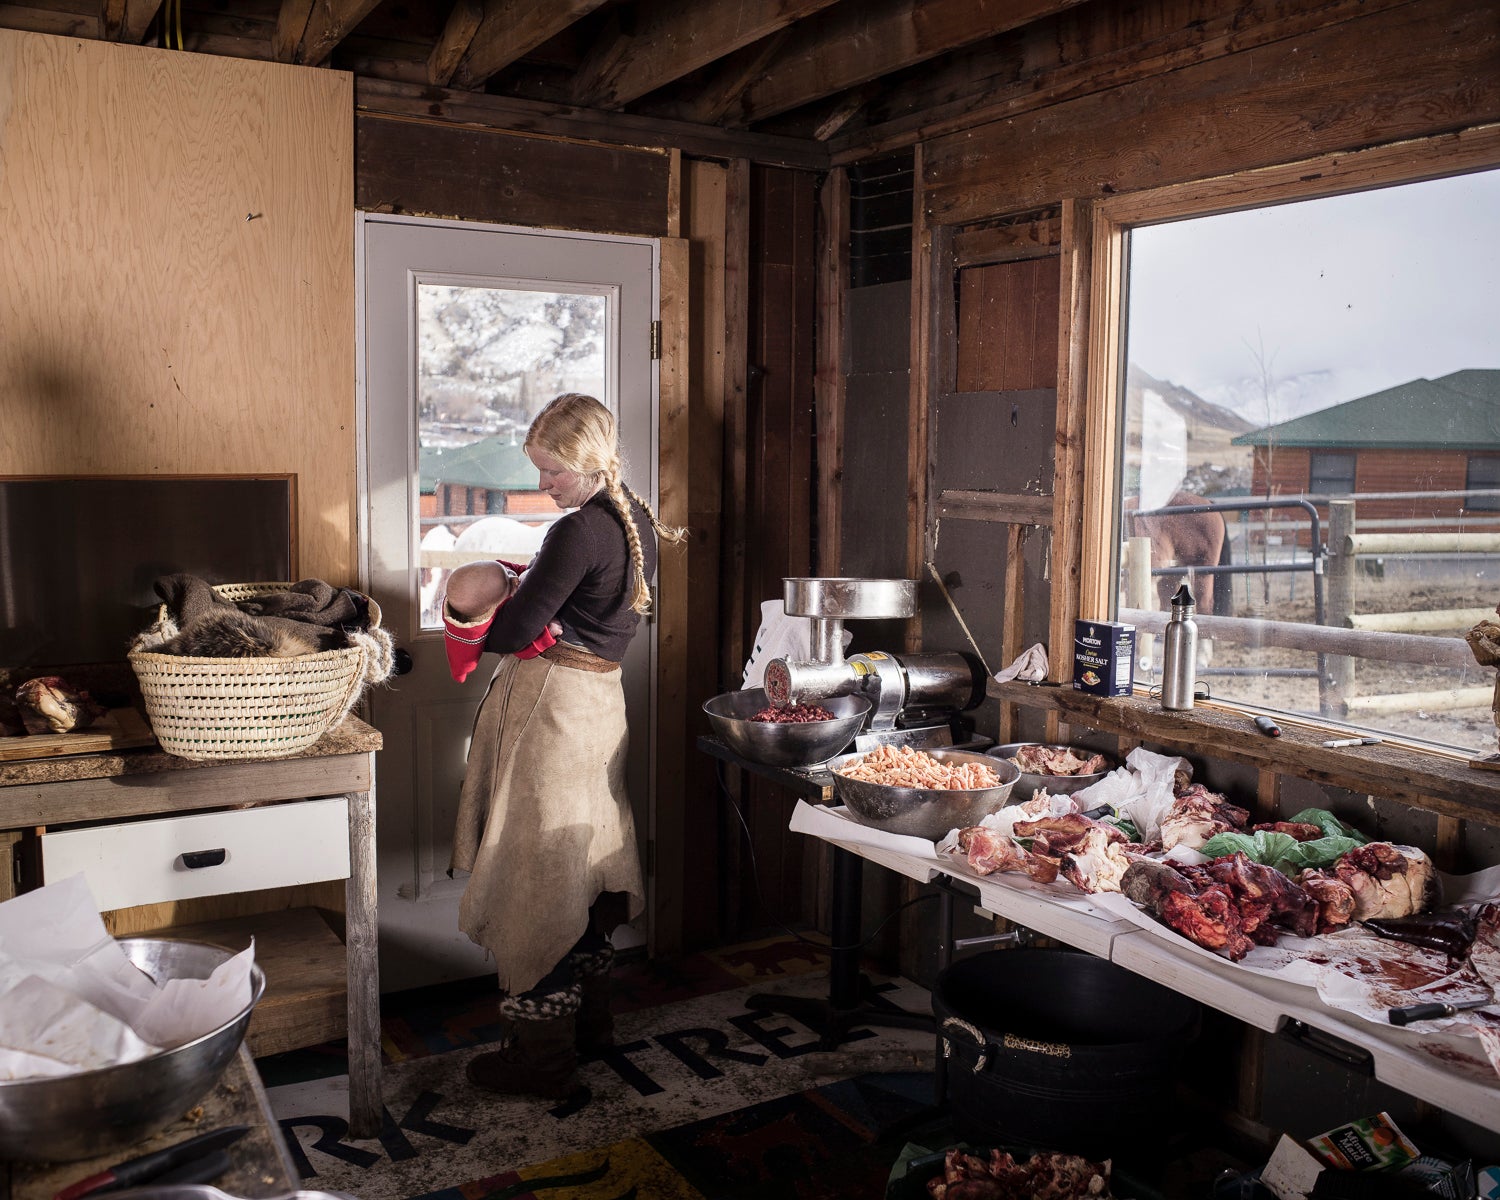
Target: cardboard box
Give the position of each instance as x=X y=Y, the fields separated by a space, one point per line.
x=1103 y=657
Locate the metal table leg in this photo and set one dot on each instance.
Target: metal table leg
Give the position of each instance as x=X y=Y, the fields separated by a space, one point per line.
x=851 y=998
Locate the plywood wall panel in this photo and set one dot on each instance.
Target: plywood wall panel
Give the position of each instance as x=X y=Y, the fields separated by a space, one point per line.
x=146 y=325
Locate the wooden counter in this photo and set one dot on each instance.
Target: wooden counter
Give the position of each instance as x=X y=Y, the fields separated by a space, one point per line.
x=84 y=791
x=1447 y=786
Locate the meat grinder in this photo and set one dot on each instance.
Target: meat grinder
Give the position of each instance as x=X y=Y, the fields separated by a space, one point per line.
x=913 y=697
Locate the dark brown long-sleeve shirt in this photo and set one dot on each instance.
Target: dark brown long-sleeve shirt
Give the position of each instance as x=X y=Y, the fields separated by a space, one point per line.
x=582 y=577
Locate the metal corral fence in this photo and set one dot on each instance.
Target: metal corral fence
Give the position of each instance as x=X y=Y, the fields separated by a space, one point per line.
x=1338 y=636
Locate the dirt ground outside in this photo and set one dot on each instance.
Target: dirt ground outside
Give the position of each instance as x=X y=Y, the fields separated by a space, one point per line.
x=1380 y=588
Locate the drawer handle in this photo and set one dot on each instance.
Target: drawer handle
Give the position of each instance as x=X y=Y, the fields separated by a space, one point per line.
x=195 y=860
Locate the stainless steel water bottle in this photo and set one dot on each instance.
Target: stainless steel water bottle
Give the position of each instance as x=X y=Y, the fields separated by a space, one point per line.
x=1179 y=652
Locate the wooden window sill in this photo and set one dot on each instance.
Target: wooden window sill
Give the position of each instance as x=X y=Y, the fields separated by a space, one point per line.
x=1448 y=786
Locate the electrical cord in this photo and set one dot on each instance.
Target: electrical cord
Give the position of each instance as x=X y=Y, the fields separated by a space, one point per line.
x=760 y=896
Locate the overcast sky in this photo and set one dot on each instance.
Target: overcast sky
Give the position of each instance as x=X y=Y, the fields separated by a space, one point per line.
x=1346 y=295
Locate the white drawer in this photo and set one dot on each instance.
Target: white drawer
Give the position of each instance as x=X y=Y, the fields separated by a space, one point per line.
x=142 y=862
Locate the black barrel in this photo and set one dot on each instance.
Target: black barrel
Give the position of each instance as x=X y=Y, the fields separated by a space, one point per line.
x=1060 y=1050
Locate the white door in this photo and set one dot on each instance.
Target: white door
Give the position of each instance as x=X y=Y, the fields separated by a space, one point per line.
x=466 y=331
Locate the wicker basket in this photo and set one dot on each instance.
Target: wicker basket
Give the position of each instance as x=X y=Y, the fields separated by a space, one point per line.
x=249 y=707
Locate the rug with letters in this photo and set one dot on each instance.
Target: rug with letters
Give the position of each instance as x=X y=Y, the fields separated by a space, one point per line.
x=701 y=1096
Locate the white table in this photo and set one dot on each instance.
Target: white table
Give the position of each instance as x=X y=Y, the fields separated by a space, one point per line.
x=1445 y=1071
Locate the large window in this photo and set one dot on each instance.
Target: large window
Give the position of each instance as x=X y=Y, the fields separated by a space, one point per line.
x=1269 y=351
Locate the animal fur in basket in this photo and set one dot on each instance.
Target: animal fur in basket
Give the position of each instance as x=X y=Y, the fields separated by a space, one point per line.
x=240 y=685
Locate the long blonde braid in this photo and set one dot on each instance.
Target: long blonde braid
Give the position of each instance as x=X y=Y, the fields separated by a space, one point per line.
x=580 y=432
x=620 y=496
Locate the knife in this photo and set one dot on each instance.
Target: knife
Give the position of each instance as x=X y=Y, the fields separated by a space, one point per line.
x=1426 y=1012
x=150 y=1166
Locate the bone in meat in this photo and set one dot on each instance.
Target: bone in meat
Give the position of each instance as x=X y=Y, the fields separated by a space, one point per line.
x=1334 y=897
x=1064 y=834
x=1388 y=880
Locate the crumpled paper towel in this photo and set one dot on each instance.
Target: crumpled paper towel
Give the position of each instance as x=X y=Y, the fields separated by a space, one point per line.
x=1142 y=790
x=1030 y=666
x=68 y=994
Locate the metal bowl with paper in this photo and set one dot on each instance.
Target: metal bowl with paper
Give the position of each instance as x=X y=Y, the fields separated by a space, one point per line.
x=1056 y=769
x=64 y=1118
x=925 y=812
x=784 y=743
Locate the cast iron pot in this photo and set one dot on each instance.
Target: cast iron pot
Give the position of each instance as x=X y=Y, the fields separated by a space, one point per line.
x=1059 y=1049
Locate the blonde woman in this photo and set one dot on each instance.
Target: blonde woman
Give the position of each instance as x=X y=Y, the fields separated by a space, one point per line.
x=544 y=824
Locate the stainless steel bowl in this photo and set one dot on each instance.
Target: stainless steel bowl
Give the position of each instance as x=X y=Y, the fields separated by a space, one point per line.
x=1059 y=785
x=923 y=812
x=89 y=1113
x=784 y=745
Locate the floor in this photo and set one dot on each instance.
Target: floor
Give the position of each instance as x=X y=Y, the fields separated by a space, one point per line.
x=702 y=1097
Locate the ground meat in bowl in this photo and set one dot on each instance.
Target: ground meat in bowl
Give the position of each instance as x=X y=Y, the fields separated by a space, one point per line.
x=796 y=714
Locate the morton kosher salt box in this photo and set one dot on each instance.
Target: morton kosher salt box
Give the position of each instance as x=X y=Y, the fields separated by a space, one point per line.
x=1103 y=657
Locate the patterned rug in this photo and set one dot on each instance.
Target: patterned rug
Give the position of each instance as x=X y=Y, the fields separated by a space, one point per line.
x=700 y=1097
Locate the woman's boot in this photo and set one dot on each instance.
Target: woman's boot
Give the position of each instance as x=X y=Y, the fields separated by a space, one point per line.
x=595 y=1024
x=540 y=1058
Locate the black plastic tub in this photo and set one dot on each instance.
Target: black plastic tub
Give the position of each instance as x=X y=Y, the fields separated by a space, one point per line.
x=1060 y=1049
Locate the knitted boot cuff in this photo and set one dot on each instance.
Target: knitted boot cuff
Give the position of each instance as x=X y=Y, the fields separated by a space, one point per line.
x=546 y=1007
x=596 y=963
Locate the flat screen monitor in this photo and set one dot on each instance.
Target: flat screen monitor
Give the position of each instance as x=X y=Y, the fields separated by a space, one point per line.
x=79 y=556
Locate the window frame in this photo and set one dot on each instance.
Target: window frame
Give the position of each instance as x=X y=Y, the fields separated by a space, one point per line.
x=1110 y=221
x=1316 y=479
x=1482 y=503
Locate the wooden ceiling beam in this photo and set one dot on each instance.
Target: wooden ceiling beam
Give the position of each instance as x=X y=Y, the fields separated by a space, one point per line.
x=291 y=23
x=327 y=25
x=126 y=20
x=463 y=23
x=410 y=102
x=856 y=43
x=713 y=102
x=511 y=29
x=674 y=38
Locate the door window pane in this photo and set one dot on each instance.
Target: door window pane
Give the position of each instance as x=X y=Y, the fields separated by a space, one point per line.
x=488 y=360
x=1310 y=390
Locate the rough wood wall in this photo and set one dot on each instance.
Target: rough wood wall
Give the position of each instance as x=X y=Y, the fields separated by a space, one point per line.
x=1306 y=79
x=704 y=815
x=176 y=272
x=407 y=165
x=777 y=451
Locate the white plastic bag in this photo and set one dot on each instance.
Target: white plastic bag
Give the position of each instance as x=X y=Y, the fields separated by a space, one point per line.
x=779 y=636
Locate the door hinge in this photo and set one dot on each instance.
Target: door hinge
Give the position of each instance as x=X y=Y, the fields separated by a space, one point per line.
x=655 y=339
x=650 y=858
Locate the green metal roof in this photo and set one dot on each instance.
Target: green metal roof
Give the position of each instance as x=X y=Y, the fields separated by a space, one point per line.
x=1460 y=411
x=492 y=462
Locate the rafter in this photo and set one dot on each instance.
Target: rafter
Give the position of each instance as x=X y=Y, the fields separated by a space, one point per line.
x=328 y=24
x=856 y=43
x=291 y=20
x=511 y=29
x=463 y=23
x=675 y=38
x=126 y=20
x=717 y=98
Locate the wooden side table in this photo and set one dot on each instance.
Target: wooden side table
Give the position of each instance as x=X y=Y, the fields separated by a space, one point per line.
x=90 y=790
